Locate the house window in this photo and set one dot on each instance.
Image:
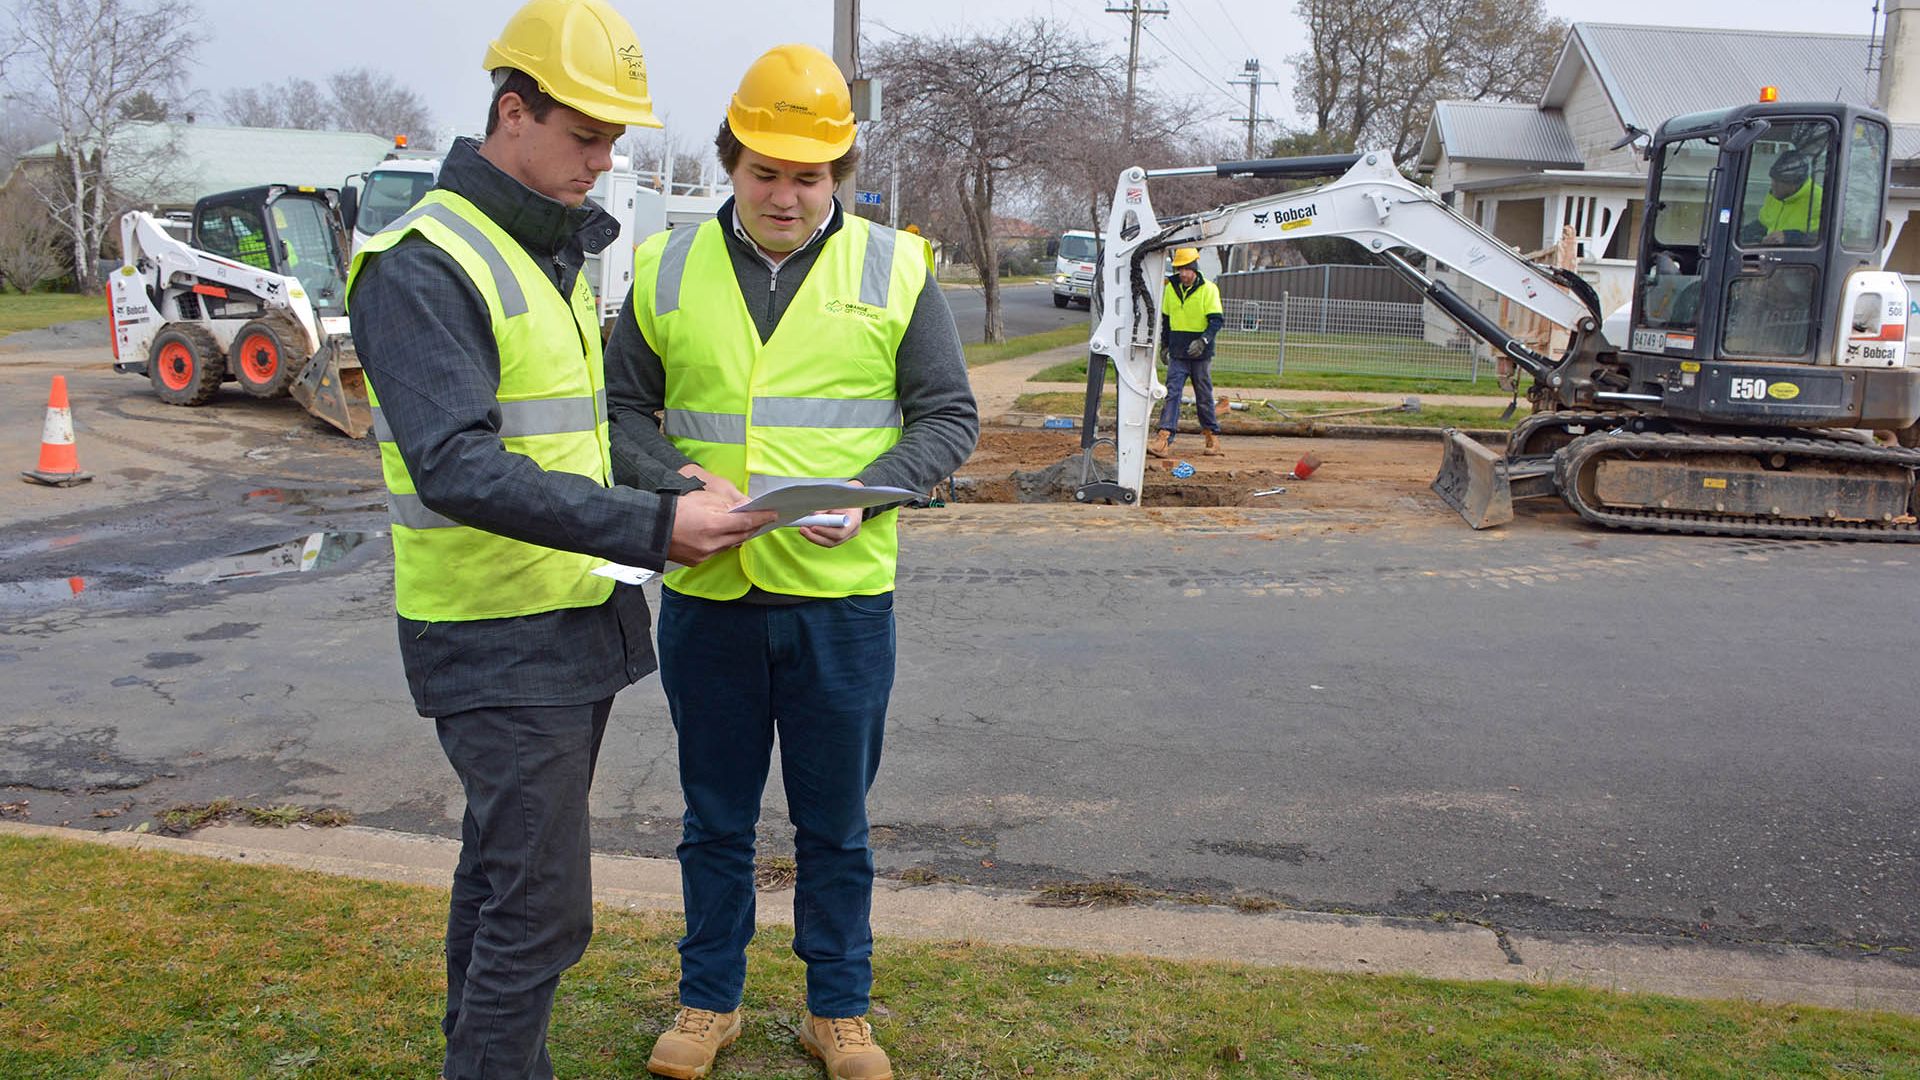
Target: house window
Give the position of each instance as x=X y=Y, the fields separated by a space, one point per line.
x=1520 y=222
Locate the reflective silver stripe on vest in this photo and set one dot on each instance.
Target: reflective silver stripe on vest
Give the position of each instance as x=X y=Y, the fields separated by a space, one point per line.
x=758 y=485
x=409 y=511
x=673 y=267
x=512 y=301
x=826 y=412
x=713 y=427
x=547 y=416
x=600 y=405
x=876 y=272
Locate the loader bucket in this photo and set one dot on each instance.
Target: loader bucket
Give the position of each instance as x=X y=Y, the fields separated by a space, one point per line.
x=1473 y=480
x=334 y=388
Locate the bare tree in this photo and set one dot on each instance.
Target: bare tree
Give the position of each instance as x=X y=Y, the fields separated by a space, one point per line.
x=670 y=154
x=296 y=103
x=29 y=240
x=79 y=62
x=977 y=114
x=356 y=99
x=363 y=99
x=1374 y=68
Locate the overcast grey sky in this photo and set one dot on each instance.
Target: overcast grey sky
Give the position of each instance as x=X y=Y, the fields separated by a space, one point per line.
x=696 y=52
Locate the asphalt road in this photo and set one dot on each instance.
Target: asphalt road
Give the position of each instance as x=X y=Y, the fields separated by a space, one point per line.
x=1543 y=726
x=1025 y=309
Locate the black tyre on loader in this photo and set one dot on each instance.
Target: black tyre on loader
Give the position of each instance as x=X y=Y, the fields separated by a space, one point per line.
x=266 y=355
x=185 y=365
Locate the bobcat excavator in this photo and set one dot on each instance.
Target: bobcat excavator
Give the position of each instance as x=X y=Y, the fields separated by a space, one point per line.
x=1764 y=346
x=257 y=295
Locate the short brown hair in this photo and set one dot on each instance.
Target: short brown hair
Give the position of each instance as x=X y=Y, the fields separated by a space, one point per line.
x=515 y=81
x=729 y=148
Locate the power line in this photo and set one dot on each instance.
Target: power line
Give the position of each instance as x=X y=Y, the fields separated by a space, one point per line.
x=1250 y=78
x=1224 y=13
x=1204 y=77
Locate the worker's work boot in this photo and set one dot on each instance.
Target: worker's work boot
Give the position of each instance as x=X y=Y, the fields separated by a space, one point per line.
x=847 y=1048
x=1212 y=448
x=686 y=1050
x=1158 y=447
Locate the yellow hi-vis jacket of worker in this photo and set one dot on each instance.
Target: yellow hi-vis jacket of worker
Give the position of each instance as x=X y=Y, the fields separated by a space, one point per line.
x=1188 y=314
x=553 y=409
x=816 y=401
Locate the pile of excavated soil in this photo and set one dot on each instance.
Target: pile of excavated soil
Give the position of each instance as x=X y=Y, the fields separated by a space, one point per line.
x=1385 y=476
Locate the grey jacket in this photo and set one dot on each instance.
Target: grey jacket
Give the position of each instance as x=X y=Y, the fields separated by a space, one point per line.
x=939 y=423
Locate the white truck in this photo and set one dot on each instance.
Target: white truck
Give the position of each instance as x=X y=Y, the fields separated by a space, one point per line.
x=376 y=198
x=1074 y=255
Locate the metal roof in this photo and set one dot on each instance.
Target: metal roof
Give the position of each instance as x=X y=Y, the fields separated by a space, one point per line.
x=209 y=158
x=1651 y=73
x=1500 y=132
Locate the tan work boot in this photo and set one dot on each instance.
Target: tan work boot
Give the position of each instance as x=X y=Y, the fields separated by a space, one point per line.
x=686 y=1050
x=847 y=1048
x=1158 y=447
x=1212 y=448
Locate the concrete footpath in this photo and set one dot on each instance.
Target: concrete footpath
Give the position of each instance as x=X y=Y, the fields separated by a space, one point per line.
x=998 y=385
x=1338 y=943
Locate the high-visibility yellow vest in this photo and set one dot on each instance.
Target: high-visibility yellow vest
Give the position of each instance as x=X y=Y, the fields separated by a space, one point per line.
x=1188 y=314
x=553 y=409
x=817 y=400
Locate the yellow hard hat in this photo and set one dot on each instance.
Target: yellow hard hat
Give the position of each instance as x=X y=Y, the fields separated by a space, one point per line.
x=914 y=229
x=793 y=104
x=583 y=53
x=1184 y=256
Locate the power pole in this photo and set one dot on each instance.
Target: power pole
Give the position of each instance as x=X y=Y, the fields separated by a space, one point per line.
x=1136 y=12
x=1250 y=75
x=846 y=54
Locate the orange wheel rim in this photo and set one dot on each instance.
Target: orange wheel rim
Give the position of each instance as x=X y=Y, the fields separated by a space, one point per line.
x=259 y=358
x=176 y=366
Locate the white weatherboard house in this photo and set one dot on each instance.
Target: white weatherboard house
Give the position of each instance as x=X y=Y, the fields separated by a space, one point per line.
x=1522 y=171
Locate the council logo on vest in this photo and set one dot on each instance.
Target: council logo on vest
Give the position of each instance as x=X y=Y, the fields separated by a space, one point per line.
x=848 y=307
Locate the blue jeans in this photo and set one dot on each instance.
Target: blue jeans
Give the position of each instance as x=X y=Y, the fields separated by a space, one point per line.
x=1178 y=371
x=817 y=675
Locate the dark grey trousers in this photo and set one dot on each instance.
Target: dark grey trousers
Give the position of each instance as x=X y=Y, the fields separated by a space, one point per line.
x=522 y=908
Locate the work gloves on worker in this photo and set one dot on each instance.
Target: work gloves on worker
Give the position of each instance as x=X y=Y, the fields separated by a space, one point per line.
x=1196 y=348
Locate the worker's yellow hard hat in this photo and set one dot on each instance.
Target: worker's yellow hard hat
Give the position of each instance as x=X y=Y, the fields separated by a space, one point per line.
x=583 y=53
x=793 y=104
x=914 y=229
x=1184 y=256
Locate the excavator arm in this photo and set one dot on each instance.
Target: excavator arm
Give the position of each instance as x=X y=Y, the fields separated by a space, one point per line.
x=1369 y=203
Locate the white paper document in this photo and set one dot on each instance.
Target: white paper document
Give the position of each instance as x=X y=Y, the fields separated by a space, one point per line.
x=796 y=501
x=625 y=575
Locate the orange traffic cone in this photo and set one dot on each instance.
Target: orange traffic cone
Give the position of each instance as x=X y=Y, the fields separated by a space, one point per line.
x=59 y=461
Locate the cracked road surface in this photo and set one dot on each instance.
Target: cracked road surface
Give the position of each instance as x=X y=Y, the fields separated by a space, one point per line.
x=1543 y=727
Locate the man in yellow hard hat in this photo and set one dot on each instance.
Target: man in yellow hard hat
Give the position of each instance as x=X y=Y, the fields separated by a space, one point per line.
x=1190 y=318
x=785 y=341
x=481 y=344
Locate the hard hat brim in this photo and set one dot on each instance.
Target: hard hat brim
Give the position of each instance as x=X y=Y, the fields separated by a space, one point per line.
x=793 y=147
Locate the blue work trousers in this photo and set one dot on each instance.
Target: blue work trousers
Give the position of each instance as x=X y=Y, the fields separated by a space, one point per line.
x=817 y=676
x=1178 y=372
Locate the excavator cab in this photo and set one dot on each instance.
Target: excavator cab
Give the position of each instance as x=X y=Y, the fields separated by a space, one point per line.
x=1756 y=216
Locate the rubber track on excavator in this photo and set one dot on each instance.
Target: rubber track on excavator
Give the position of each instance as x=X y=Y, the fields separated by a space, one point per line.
x=1589 y=450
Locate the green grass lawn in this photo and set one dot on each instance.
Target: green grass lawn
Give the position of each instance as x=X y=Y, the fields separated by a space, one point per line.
x=35 y=310
x=1063 y=403
x=126 y=964
x=1486 y=385
x=981 y=352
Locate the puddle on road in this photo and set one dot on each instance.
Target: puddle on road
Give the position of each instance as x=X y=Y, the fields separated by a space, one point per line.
x=48 y=591
x=299 y=555
x=310 y=502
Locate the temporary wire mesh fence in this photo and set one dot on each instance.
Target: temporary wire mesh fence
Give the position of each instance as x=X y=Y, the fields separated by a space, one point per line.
x=1354 y=337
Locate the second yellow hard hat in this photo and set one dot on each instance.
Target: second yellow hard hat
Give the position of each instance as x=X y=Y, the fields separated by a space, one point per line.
x=583 y=53
x=793 y=104
x=1185 y=256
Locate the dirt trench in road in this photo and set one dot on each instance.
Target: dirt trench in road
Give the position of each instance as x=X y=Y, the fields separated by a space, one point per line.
x=1371 y=481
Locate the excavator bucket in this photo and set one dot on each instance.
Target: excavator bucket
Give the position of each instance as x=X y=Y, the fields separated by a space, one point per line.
x=334 y=388
x=1473 y=480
